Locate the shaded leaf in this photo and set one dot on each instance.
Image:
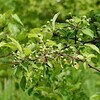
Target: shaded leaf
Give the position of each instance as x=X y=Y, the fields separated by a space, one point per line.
x=23 y=83
x=30 y=91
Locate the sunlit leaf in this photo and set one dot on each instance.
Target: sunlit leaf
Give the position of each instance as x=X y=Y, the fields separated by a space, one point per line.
x=80 y=57
x=2 y=44
x=51 y=43
x=85 y=65
x=16 y=43
x=54 y=20
x=13 y=29
x=27 y=51
x=93 y=47
x=88 y=32
x=16 y=18
x=95 y=96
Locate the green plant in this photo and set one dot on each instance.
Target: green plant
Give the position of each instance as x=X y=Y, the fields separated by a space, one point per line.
x=35 y=13
x=50 y=61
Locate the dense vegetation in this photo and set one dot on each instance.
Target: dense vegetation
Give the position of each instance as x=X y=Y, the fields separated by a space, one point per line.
x=40 y=11
x=55 y=61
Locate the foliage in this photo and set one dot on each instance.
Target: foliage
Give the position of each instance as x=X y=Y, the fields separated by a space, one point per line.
x=40 y=11
x=11 y=91
x=50 y=61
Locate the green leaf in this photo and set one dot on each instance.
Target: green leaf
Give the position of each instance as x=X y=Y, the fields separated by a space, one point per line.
x=47 y=35
x=2 y=44
x=13 y=29
x=11 y=46
x=31 y=46
x=23 y=83
x=16 y=18
x=57 y=69
x=85 y=65
x=89 y=59
x=59 y=46
x=35 y=30
x=51 y=43
x=94 y=47
x=24 y=66
x=95 y=96
x=80 y=57
x=27 y=51
x=31 y=35
x=54 y=20
x=16 y=43
x=97 y=24
x=88 y=32
x=30 y=91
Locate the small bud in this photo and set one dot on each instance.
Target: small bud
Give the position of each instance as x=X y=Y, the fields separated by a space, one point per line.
x=66 y=49
x=37 y=56
x=71 y=47
x=48 y=22
x=69 y=28
x=98 y=29
x=60 y=28
x=41 y=30
x=50 y=46
x=88 y=20
x=81 y=34
x=67 y=20
x=30 y=57
x=39 y=35
x=62 y=56
x=62 y=50
x=65 y=60
x=41 y=47
x=88 y=24
x=51 y=20
x=47 y=40
x=79 y=39
x=84 y=17
x=72 y=20
x=44 y=26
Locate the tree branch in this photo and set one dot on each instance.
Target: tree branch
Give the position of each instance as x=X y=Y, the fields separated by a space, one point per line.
x=75 y=36
x=93 y=68
x=67 y=55
x=96 y=40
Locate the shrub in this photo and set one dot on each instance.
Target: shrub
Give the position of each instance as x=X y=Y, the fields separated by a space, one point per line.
x=50 y=61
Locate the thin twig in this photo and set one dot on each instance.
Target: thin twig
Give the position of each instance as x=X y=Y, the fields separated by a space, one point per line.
x=93 y=68
x=73 y=58
x=75 y=36
x=96 y=40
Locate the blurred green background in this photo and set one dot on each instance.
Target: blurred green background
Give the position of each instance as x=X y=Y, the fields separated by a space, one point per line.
x=34 y=13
